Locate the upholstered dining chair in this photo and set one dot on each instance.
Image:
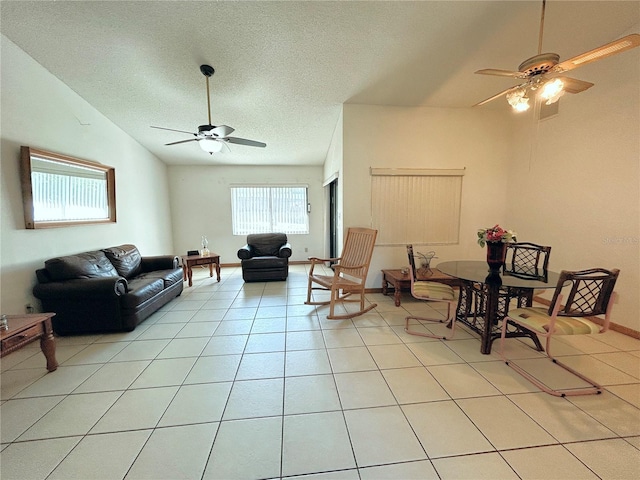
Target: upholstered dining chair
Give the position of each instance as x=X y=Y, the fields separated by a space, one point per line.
x=589 y=299
x=430 y=292
x=349 y=274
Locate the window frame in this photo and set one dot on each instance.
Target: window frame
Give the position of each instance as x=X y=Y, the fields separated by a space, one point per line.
x=30 y=156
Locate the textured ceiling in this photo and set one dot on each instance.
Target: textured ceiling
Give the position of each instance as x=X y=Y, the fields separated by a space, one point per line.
x=283 y=69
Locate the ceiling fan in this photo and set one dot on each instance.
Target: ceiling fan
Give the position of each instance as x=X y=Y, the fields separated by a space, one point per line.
x=212 y=138
x=544 y=72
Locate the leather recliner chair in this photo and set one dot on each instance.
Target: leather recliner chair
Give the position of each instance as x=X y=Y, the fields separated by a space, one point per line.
x=265 y=257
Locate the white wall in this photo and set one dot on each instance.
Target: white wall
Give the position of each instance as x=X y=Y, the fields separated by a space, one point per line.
x=38 y=110
x=578 y=187
x=201 y=205
x=400 y=137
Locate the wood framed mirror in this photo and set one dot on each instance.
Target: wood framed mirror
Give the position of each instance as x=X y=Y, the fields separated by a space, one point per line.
x=59 y=191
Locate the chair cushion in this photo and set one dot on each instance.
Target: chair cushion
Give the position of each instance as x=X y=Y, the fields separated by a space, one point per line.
x=260 y=263
x=82 y=265
x=433 y=290
x=537 y=319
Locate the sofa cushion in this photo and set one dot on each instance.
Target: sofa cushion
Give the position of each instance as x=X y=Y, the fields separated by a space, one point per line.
x=82 y=265
x=140 y=290
x=266 y=244
x=169 y=277
x=126 y=259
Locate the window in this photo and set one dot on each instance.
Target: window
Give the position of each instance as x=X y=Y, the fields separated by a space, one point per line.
x=258 y=209
x=59 y=190
x=421 y=207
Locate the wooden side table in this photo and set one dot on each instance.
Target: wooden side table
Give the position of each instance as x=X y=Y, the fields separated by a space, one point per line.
x=189 y=261
x=24 y=329
x=401 y=281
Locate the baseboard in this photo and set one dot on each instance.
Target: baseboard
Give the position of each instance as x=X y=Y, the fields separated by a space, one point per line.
x=612 y=326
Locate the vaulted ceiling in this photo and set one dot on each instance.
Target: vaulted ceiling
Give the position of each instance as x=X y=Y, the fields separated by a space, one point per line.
x=283 y=69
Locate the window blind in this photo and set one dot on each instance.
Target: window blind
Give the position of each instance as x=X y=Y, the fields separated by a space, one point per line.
x=415 y=206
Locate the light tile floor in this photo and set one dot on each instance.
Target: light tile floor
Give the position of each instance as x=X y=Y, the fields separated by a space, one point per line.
x=235 y=380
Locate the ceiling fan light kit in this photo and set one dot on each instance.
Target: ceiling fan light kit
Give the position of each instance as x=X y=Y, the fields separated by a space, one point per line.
x=210 y=145
x=211 y=138
x=541 y=72
x=518 y=100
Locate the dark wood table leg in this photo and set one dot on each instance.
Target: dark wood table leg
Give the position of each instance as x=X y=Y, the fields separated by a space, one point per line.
x=396 y=288
x=190 y=274
x=218 y=268
x=385 y=284
x=396 y=293
x=48 y=346
x=211 y=269
x=493 y=291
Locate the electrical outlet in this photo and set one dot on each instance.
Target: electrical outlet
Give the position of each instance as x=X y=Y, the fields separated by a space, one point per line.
x=306 y=249
x=28 y=308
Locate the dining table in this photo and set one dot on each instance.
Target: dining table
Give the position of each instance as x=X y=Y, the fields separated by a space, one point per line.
x=485 y=296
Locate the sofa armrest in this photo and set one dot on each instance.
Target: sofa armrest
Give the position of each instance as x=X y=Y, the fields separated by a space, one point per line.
x=285 y=251
x=160 y=262
x=245 y=252
x=104 y=287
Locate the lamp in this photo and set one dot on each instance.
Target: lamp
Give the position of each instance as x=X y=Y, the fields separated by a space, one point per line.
x=210 y=145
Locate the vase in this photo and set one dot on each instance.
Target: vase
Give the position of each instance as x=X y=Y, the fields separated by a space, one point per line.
x=496 y=252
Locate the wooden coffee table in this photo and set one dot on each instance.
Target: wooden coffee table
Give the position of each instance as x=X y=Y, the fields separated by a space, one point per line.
x=189 y=261
x=401 y=281
x=24 y=329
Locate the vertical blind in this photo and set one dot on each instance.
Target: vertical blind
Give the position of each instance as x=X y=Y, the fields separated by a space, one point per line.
x=416 y=206
x=259 y=209
x=67 y=192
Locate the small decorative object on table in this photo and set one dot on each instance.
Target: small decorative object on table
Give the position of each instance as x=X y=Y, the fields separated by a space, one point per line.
x=205 y=247
x=425 y=263
x=4 y=323
x=496 y=239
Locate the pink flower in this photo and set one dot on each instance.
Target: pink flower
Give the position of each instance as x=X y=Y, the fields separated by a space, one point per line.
x=495 y=234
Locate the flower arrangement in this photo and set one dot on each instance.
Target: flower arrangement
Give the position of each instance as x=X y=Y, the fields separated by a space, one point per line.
x=495 y=234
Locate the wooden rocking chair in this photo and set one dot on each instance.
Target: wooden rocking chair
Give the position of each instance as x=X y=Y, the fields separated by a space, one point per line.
x=349 y=273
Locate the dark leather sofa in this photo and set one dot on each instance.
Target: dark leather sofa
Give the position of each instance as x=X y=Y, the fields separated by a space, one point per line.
x=265 y=257
x=108 y=290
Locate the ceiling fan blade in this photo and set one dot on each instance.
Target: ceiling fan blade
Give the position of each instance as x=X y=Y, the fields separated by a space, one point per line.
x=222 y=131
x=501 y=73
x=612 y=48
x=498 y=95
x=573 y=85
x=244 y=141
x=182 y=141
x=173 y=130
